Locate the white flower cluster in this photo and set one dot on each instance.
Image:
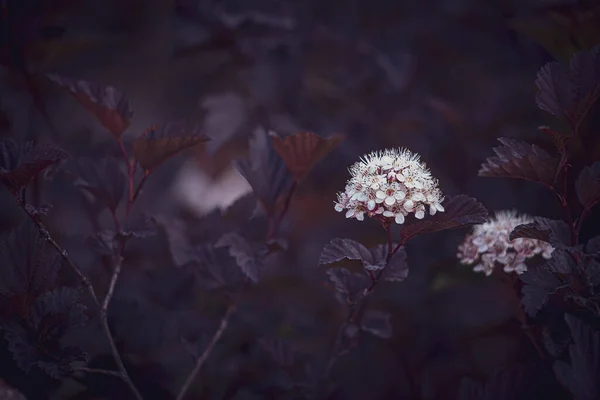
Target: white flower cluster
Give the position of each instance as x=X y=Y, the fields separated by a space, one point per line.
x=489 y=245
x=389 y=185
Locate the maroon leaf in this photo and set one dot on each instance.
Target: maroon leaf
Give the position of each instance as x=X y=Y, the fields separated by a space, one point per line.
x=516 y=159
x=21 y=162
x=264 y=170
x=111 y=107
x=588 y=185
x=302 y=151
x=569 y=92
x=163 y=141
x=460 y=211
x=555 y=232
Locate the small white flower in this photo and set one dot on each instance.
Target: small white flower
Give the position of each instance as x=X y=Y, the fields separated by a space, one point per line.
x=488 y=245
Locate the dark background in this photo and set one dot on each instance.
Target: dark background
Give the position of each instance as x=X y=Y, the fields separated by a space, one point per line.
x=444 y=78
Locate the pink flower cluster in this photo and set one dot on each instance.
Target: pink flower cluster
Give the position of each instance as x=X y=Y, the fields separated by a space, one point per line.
x=488 y=245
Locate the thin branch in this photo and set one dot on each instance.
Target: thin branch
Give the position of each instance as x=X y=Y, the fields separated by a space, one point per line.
x=116 y=374
x=86 y=282
x=63 y=253
x=202 y=359
x=107 y=331
x=138 y=190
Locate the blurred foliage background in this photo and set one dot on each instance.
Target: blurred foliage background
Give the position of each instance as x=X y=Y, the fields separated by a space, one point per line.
x=444 y=78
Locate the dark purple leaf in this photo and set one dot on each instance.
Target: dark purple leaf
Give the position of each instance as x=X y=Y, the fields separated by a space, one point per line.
x=163 y=141
x=505 y=384
x=554 y=90
x=555 y=346
x=397 y=268
x=461 y=211
x=264 y=170
x=38 y=341
x=215 y=268
x=569 y=92
x=520 y=160
x=555 y=232
x=561 y=262
x=585 y=82
x=582 y=375
x=302 y=151
x=247 y=256
x=347 y=284
x=588 y=185
x=280 y=350
x=29 y=265
x=539 y=283
x=344 y=249
x=20 y=163
x=102 y=178
x=378 y=323
x=111 y=107
x=593 y=245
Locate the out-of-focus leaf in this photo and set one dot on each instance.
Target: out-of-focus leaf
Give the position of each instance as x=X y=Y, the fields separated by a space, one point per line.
x=461 y=211
x=504 y=384
x=539 y=283
x=520 y=160
x=555 y=232
x=585 y=82
x=29 y=265
x=302 y=151
x=247 y=256
x=21 y=162
x=378 y=323
x=38 y=342
x=163 y=141
x=588 y=185
x=103 y=178
x=138 y=226
x=569 y=92
x=215 y=269
x=111 y=107
x=264 y=170
x=555 y=346
x=347 y=284
x=280 y=350
x=582 y=375
x=562 y=28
